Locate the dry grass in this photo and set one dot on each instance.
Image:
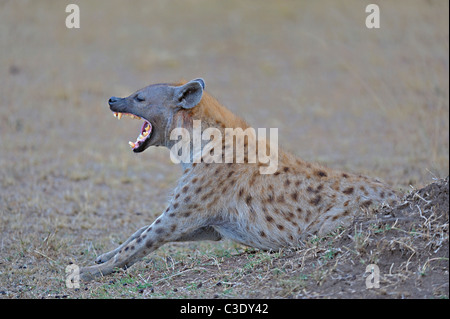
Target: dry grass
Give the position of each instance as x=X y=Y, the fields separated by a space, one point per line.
x=369 y=101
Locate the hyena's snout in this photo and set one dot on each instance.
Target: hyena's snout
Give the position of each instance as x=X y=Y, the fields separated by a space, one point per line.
x=113 y=100
x=119 y=105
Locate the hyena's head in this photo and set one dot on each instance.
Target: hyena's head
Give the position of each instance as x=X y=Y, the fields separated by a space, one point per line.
x=156 y=105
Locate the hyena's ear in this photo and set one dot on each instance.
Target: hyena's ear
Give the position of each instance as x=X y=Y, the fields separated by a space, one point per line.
x=189 y=95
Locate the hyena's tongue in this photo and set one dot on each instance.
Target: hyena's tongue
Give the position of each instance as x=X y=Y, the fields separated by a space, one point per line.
x=146 y=129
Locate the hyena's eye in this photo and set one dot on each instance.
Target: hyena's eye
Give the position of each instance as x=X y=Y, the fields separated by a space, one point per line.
x=139 y=98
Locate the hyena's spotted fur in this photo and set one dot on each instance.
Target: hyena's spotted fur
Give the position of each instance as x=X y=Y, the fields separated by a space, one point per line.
x=232 y=200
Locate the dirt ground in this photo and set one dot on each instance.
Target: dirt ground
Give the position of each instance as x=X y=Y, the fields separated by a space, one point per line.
x=372 y=101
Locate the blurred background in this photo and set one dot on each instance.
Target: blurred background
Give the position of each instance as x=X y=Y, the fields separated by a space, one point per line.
x=372 y=101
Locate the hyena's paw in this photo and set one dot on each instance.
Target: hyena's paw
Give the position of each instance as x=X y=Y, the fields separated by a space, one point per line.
x=105 y=257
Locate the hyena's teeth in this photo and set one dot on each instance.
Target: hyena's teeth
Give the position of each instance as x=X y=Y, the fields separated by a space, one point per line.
x=132 y=144
x=119 y=115
x=145 y=134
x=147 y=128
x=115 y=114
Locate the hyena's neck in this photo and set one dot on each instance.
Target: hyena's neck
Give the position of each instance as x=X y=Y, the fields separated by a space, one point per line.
x=209 y=113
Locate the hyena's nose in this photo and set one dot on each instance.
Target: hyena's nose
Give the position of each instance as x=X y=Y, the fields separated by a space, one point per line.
x=113 y=100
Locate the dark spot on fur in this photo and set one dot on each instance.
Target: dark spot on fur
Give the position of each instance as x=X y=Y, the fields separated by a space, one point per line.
x=198 y=190
x=187 y=199
x=269 y=218
x=148 y=243
x=185 y=189
x=316 y=200
x=307 y=216
x=328 y=209
x=362 y=188
x=157 y=221
x=287 y=182
x=252 y=180
x=262 y=234
x=213 y=202
x=297 y=183
x=175 y=205
x=280 y=227
x=276 y=173
x=348 y=190
x=248 y=200
x=286 y=169
x=173 y=227
x=194 y=180
x=367 y=203
x=345 y=175
x=241 y=192
x=187 y=213
x=299 y=210
x=294 y=196
x=321 y=173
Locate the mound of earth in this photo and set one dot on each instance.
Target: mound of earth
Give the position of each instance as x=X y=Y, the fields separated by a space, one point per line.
x=409 y=243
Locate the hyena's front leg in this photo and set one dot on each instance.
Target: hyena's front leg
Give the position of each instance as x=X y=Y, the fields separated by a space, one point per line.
x=107 y=256
x=170 y=226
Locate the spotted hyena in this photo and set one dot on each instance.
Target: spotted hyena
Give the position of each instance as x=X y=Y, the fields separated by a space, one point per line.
x=230 y=199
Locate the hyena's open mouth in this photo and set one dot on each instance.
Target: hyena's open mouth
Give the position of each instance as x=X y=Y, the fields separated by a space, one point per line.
x=144 y=136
